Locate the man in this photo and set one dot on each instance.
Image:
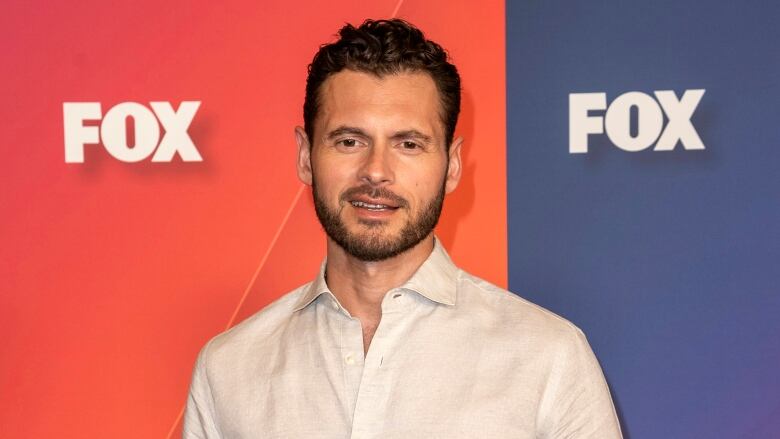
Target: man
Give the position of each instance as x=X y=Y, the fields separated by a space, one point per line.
x=391 y=339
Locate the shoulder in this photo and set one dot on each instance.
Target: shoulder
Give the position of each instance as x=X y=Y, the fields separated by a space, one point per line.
x=514 y=315
x=254 y=333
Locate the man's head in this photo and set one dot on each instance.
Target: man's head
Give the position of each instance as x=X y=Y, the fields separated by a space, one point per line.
x=380 y=48
x=377 y=147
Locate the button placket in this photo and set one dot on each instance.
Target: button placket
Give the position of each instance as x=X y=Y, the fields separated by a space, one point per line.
x=350 y=354
x=372 y=395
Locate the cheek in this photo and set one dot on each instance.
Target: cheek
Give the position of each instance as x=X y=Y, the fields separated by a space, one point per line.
x=330 y=180
x=421 y=192
x=425 y=183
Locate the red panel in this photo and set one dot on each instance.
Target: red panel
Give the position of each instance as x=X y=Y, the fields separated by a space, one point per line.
x=115 y=274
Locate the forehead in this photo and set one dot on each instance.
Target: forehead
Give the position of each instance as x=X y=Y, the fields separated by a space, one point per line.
x=407 y=100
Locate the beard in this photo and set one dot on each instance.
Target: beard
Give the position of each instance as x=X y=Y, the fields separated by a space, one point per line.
x=374 y=244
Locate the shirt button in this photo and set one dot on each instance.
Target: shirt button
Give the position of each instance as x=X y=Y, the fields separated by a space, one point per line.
x=350 y=359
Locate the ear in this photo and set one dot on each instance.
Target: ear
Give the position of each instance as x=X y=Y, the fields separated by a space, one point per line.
x=304 y=156
x=455 y=167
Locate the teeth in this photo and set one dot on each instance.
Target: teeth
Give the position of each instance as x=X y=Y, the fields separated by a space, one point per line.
x=369 y=206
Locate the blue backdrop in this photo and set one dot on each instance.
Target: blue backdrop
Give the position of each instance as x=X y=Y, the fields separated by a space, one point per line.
x=669 y=261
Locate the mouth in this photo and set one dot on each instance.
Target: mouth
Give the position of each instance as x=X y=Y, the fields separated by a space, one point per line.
x=373 y=206
x=372 y=203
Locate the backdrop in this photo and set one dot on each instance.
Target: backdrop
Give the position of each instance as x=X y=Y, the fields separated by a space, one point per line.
x=620 y=170
x=668 y=259
x=114 y=273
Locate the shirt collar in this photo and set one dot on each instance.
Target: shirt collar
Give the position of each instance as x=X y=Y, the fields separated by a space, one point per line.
x=314 y=290
x=436 y=279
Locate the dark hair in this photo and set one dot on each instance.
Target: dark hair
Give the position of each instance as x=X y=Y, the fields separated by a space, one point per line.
x=384 y=47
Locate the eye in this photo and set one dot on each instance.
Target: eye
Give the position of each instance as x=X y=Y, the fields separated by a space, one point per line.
x=349 y=143
x=408 y=144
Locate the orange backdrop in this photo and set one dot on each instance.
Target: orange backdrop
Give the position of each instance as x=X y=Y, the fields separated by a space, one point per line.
x=115 y=274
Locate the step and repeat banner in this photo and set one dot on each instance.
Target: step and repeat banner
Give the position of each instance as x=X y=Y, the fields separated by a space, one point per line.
x=644 y=200
x=621 y=169
x=150 y=198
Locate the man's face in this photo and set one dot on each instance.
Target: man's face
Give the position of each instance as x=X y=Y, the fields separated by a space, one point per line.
x=378 y=163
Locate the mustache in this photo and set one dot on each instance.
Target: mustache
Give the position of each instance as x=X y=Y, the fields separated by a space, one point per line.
x=373 y=192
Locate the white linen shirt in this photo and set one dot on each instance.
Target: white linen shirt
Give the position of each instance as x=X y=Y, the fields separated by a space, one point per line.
x=453 y=357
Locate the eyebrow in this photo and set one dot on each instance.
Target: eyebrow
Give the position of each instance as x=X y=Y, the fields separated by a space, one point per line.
x=412 y=134
x=355 y=131
x=342 y=130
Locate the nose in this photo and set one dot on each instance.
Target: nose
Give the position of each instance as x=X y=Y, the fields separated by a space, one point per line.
x=377 y=168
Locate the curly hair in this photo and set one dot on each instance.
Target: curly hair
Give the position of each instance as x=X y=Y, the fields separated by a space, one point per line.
x=384 y=47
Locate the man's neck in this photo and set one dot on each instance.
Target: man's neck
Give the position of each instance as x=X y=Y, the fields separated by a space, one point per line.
x=360 y=286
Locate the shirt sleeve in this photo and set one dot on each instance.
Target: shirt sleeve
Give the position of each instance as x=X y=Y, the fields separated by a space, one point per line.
x=199 y=417
x=577 y=403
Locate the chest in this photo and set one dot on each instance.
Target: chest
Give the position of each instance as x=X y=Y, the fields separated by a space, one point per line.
x=417 y=380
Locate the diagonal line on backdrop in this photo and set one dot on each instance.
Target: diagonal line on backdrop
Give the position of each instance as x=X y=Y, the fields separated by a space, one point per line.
x=265 y=258
x=175 y=423
x=251 y=283
x=397 y=7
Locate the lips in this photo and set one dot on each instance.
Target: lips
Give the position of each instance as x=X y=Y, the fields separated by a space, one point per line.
x=375 y=206
x=373 y=199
